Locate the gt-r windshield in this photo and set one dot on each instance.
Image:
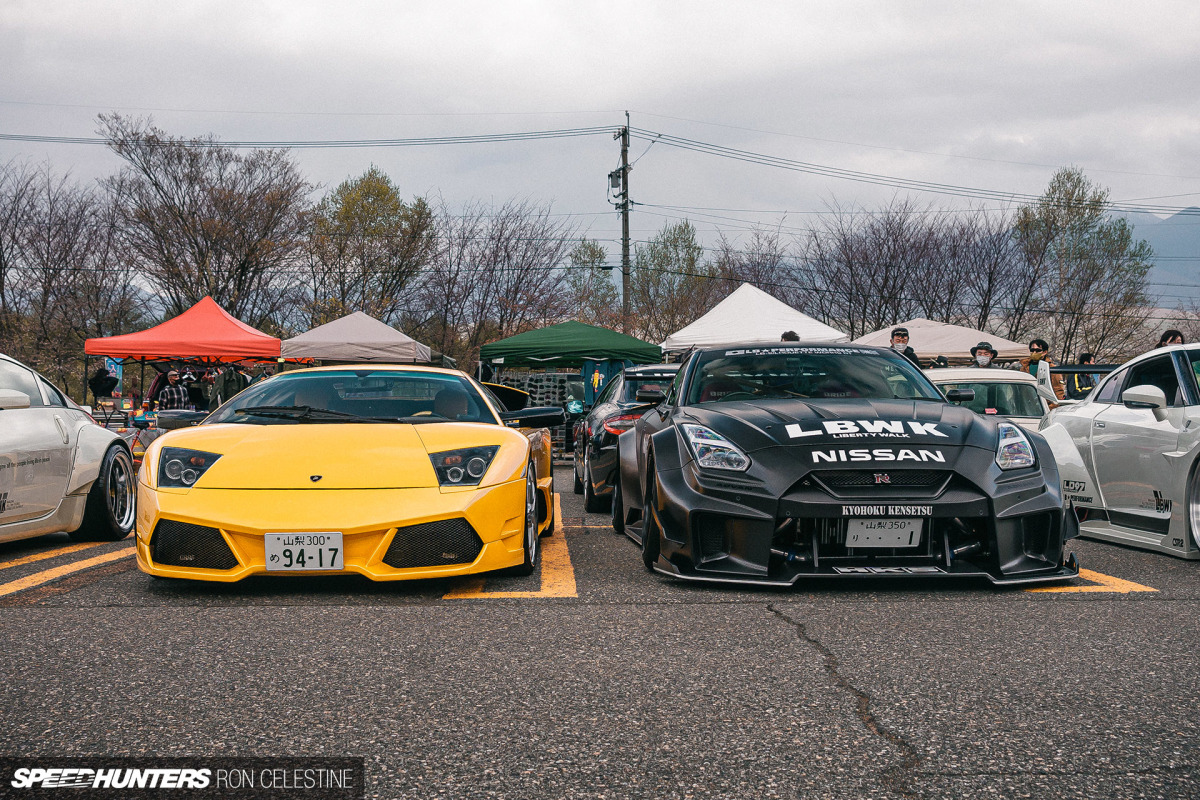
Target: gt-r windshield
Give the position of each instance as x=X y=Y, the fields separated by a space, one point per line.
x=807 y=373
x=357 y=395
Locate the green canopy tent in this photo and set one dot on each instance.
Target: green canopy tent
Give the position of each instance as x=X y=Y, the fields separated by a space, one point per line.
x=567 y=345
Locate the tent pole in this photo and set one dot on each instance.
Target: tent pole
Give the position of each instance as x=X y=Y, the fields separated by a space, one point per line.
x=86 y=361
x=142 y=384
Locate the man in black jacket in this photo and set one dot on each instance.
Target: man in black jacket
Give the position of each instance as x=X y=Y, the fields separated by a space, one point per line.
x=900 y=345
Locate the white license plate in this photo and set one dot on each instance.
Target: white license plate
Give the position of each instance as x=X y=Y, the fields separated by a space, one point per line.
x=863 y=533
x=303 y=551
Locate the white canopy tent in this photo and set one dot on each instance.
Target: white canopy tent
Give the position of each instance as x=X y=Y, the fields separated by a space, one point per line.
x=931 y=339
x=751 y=315
x=356 y=338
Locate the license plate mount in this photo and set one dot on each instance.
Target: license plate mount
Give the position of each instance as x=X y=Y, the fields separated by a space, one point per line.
x=303 y=552
x=876 y=534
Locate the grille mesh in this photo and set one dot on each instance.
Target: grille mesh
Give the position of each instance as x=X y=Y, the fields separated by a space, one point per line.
x=181 y=544
x=914 y=478
x=433 y=544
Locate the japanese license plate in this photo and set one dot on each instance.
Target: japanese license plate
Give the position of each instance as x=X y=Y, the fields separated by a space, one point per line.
x=864 y=533
x=303 y=551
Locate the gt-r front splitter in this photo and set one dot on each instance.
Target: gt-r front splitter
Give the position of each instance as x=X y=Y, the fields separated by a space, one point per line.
x=962 y=569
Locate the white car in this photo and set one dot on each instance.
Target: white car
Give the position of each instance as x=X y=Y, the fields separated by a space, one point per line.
x=1001 y=392
x=1127 y=454
x=59 y=470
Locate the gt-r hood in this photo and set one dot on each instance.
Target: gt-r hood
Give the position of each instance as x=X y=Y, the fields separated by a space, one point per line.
x=356 y=456
x=825 y=423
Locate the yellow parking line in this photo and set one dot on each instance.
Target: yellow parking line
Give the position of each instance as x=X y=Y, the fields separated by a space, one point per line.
x=558 y=576
x=45 y=576
x=1106 y=583
x=58 y=551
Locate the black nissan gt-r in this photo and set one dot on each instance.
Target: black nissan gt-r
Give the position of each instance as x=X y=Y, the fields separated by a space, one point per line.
x=769 y=464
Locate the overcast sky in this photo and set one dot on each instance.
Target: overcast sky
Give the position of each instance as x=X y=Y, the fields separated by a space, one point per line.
x=993 y=96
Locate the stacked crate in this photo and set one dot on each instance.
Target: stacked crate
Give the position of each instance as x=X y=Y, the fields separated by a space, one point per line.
x=545 y=389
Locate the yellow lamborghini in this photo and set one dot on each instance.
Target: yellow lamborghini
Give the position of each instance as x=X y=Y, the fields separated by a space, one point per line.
x=392 y=472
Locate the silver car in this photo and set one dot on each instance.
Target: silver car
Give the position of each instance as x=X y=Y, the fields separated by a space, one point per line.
x=59 y=470
x=1127 y=454
x=1007 y=393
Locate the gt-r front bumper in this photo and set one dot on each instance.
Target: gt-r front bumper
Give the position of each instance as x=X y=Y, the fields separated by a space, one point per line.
x=387 y=534
x=733 y=529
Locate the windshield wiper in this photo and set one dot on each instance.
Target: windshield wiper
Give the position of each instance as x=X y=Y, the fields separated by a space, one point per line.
x=305 y=413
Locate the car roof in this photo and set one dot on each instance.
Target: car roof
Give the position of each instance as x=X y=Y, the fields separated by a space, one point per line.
x=652 y=369
x=377 y=368
x=979 y=375
x=776 y=347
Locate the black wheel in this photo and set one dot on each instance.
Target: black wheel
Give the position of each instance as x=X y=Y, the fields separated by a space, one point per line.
x=591 y=503
x=618 y=507
x=111 y=502
x=575 y=473
x=533 y=551
x=650 y=542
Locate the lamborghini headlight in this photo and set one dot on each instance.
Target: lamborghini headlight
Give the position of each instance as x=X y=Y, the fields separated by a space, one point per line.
x=182 y=468
x=1014 y=451
x=714 y=451
x=462 y=467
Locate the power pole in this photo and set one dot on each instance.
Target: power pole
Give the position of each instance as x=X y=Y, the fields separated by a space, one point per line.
x=619 y=178
x=624 y=209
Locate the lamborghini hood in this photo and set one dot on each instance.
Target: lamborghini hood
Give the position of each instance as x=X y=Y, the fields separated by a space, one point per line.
x=358 y=456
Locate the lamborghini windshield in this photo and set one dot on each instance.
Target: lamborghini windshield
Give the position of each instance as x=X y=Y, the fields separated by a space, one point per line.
x=824 y=373
x=357 y=395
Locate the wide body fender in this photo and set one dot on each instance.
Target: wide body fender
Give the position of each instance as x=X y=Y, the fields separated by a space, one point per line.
x=94 y=442
x=1078 y=485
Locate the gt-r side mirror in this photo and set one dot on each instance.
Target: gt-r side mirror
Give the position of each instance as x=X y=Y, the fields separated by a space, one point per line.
x=1146 y=396
x=960 y=395
x=536 y=417
x=12 y=399
x=654 y=396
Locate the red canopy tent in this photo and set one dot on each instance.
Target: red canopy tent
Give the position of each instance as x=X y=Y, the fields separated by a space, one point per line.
x=205 y=332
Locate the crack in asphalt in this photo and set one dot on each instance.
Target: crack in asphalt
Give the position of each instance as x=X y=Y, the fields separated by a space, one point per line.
x=897 y=779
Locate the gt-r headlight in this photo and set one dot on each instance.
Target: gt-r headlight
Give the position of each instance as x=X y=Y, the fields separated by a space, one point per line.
x=1014 y=451
x=462 y=467
x=714 y=451
x=182 y=468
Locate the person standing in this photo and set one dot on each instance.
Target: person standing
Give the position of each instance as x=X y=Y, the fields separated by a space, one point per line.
x=984 y=354
x=174 y=396
x=789 y=336
x=1039 y=358
x=900 y=345
x=1079 y=384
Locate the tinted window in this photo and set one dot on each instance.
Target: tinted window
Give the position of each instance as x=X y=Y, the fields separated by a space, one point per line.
x=387 y=394
x=804 y=372
x=606 y=394
x=1005 y=399
x=1158 y=372
x=1111 y=389
x=634 y=383
x=21 y=380
x=56 y=398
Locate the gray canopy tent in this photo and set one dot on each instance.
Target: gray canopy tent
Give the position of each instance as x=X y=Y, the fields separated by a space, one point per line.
x=357 y=338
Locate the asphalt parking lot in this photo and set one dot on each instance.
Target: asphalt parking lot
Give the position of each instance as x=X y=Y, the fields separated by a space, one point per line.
x=593 y=678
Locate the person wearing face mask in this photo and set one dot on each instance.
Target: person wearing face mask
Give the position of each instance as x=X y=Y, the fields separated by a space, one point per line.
x=1039 y=358
x=900 y=345
x=984 y=354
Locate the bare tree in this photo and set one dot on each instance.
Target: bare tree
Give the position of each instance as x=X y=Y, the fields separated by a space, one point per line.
x=670 y=284
x=202 y=219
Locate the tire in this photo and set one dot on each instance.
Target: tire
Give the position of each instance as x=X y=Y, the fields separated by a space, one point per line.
x=575 y=474
x=591 y=503
x=532 y=544
x=650 y=534
x=111 y=508
x=618 y=507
